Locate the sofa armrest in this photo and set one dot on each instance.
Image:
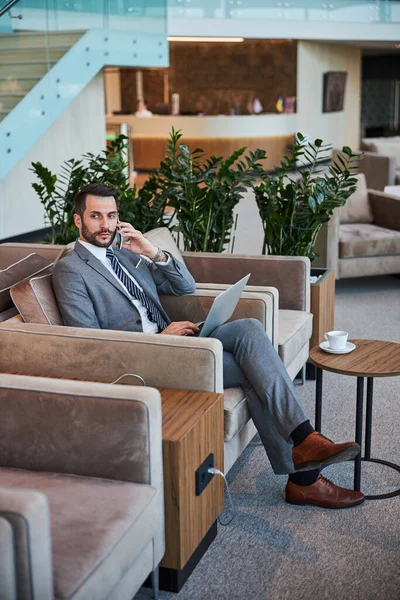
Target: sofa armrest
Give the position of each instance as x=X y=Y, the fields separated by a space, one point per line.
x=261 y=303
x=8 y=577
x=28 y=515
x=386 y=209
x=379 y=170
x=103 y=355
x=290 y=275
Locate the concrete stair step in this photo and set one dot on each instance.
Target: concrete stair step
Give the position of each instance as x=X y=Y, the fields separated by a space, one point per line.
x=27 y=68
x=32 y=53
x=10 y=85
x=38 y=39
x=8 y=102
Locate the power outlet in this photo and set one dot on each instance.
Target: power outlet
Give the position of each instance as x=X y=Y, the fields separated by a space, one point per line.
x=203 y=477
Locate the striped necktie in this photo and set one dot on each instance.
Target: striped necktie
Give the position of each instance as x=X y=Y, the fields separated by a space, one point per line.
x=153 y=311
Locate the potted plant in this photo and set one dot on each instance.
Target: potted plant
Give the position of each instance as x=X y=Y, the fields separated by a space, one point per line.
x=203 y=193
x=295 y=200
x=294 y=203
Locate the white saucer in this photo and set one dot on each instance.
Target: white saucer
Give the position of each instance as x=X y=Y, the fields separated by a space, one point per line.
x=348 y=348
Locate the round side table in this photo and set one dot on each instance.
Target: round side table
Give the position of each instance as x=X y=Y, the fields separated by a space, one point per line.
x=371 y=358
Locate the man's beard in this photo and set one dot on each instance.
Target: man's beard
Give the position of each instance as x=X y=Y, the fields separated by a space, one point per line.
x=92 y=237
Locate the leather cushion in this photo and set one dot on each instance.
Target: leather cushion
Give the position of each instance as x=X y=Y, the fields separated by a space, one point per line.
x=26 y=267
x=98 y=527
x=364 y=239
x=357 y=208
x=36 y=301
x=294 y=331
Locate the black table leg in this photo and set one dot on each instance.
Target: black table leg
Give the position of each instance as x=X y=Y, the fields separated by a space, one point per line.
x=359 y=423
x=318 y=400
x=368 y=418
x=368 y=436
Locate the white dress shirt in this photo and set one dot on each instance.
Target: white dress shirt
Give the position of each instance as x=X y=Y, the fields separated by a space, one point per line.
x=100 y=253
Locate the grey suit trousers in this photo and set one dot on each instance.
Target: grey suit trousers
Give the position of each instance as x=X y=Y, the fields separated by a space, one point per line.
x=251 y=362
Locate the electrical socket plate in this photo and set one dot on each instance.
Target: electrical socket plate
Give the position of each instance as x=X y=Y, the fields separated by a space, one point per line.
x=203 y=477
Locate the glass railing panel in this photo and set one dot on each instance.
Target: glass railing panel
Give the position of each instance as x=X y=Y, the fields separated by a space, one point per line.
x=81 y=15
x=142 y=16
x=346 y=11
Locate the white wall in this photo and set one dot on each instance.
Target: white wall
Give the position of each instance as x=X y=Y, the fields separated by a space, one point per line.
x=313 y=60
x=80 y=129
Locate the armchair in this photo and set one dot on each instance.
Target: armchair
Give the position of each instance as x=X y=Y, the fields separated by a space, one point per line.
x=363 y=237
x=81 y=489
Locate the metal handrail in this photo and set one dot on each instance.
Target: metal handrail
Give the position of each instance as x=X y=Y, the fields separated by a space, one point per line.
x=7 y=7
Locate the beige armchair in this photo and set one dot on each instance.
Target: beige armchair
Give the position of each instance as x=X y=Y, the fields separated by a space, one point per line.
x=363 y=237
x=81 y=489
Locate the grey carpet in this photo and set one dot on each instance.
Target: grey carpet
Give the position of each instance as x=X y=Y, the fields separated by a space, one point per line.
x=275 y=551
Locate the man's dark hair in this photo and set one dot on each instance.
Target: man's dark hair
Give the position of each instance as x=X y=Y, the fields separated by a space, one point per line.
x=94 y=189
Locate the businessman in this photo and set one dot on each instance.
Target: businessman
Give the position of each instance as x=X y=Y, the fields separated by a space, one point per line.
x=102 y=287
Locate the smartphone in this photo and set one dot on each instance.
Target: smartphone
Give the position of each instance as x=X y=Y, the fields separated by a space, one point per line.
x=119 y=240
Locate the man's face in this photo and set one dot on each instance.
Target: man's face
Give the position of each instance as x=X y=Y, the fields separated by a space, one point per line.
x=98 y=225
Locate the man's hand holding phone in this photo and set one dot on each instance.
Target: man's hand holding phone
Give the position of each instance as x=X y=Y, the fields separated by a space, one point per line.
x=133 y=240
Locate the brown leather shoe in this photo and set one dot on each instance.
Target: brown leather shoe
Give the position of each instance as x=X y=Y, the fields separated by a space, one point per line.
x=322 y=493
x=317 y=452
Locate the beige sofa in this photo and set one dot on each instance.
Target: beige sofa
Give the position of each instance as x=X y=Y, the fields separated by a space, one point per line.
x=289 y=329
x=81 y=489
x=381 y=161
x=363 y=237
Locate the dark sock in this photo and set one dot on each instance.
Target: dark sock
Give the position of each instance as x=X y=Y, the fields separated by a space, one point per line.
x=299 y=434
x=304 y=477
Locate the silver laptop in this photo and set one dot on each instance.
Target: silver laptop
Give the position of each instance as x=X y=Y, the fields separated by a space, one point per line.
x=223 y=307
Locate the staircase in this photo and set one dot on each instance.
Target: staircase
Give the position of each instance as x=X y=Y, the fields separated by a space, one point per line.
x=25 y=57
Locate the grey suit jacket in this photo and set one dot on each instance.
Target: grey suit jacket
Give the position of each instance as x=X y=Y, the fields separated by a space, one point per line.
x=90 y=296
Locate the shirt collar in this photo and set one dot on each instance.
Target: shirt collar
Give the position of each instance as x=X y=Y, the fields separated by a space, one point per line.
x=98 y=252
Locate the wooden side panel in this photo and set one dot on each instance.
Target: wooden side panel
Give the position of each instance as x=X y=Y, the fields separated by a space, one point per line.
x=188 y=517
x=322 y=307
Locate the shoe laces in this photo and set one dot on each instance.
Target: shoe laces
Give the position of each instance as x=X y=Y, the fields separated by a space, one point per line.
x=325 y=438
x=326 y=481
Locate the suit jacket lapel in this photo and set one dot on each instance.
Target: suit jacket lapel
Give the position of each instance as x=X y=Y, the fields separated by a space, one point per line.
x=98 y=266
x=142 y=276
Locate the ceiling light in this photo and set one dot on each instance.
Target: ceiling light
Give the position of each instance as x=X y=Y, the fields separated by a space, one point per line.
x=204 y=39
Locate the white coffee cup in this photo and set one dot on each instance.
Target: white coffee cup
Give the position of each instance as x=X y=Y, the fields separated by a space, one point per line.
x=337 y=339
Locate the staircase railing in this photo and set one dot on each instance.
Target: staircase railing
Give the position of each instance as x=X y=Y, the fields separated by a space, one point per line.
x=48 y=56
x=7 y=7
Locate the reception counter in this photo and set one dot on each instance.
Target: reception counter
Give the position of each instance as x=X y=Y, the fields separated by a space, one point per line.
x=220 y=135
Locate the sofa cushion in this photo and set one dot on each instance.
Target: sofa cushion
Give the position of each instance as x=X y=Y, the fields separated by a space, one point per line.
x=357 y=208
x=364 y=239
x=26 y=267
x=162 y=238
x=36 y=301
x=387 y=147
x=98 y=527
x=236 y=412
x=294 y=331
x=8 y=314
